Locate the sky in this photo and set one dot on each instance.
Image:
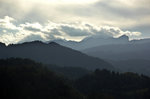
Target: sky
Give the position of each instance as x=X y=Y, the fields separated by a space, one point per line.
x=45 y=20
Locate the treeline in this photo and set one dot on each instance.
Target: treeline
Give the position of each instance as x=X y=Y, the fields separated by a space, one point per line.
x=104 y=84
x=26 y=79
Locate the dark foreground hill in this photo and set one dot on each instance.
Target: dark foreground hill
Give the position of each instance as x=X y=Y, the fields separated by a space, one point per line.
x=25 y=79
x=52 y=53
x=103 y=84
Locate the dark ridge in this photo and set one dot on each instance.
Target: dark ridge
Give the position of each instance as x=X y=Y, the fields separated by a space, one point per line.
x=53 y=53
x=34 y=42
x=26 y=43
x=124 y=37
x=53 y=43
x=2 y=44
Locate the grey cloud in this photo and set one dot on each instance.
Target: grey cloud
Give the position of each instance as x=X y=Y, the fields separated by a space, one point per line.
x=3 y=30
x=54 y=31
x=144 y=29
x=32 y=29
x=115 y=7
x=104 y=12
x=107 y=31
x=34 y=37
x=73 y=31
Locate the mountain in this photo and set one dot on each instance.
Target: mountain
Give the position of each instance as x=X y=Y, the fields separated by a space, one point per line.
x=53 y=53
x=93 y=41
x=121 y=51
x=2 y=44
x=141 y=41
x=132 y=57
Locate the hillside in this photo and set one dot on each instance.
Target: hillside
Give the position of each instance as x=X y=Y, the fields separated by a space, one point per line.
x=53 y=53
x=103 y=84
x=132 y=57
x=25 y=79
x=121 y=51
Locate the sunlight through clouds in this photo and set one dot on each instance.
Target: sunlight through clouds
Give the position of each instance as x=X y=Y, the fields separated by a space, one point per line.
x=51 y=31
x=67 y=1
x=31 y=17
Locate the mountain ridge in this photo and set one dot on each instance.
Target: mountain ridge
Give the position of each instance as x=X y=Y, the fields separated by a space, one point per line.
x=53 y=53
x=92 y=41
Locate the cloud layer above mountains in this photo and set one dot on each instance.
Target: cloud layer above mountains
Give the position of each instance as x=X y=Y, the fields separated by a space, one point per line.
x=23 y=20
x=13 y=32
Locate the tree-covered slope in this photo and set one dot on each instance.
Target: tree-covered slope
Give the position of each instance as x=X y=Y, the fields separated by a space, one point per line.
x=103 y=84
x=25 y=79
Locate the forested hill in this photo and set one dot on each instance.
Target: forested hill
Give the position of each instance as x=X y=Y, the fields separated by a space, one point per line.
x=103 y=84
x=26 y=79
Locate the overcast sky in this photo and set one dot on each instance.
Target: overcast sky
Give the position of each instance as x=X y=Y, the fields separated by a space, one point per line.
x=27 y=20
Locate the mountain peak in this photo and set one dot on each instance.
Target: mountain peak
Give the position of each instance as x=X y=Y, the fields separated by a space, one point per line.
x=124 y=37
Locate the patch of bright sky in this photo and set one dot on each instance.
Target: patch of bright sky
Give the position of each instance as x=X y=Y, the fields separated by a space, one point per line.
x=66 y=1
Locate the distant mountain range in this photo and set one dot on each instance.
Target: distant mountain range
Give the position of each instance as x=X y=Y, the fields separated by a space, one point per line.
x=96 y=41
x=135 y=65
x=112 y=48
x=93 y=41
x=125 y=55
x=121 y=51
x=131 y=56
x=52 y=53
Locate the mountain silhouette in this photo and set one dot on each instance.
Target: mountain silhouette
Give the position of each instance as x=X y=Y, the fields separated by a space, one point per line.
x=53 y=53
x=121 y=51
x=132 y=57
x=93 y=41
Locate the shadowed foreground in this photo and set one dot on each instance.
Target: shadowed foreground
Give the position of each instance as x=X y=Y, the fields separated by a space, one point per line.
x=25 y=79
